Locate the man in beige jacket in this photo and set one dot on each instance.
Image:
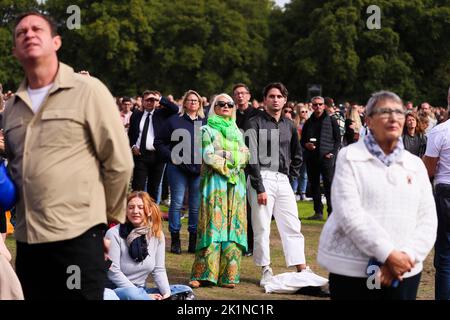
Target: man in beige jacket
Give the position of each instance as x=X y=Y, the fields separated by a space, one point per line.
x=70 y=161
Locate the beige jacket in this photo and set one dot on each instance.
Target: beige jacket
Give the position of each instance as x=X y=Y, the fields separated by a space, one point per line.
x=70 y=161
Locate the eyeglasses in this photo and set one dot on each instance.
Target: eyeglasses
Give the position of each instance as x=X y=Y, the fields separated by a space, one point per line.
x=151 y=100
x=192 y=101
x=288 y=111
x=317 y=104
x=240 y=93
x=385 y=113
x=303 y=111
x=222 y=104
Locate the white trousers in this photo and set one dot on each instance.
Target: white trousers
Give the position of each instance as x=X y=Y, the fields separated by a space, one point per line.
x=282 y=205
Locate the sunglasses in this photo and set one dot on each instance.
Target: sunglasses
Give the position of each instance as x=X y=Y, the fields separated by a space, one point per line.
x=317 y=104
x=288 y=111
x=303 y=111
x=151 y=100
x=222 y=104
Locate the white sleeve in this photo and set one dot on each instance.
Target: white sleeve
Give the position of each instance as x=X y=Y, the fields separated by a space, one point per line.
x=434 y=144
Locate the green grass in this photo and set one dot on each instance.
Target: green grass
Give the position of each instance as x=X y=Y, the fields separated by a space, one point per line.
x=179 y=266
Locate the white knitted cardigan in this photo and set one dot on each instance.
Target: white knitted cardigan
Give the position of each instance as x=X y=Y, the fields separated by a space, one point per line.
x=377 y=209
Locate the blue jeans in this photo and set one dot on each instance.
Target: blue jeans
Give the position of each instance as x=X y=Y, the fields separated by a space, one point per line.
x=179 y=182
x=303 y=178
x=109 y=294
x=442 y=245
x=300 y=181
x=141 y=293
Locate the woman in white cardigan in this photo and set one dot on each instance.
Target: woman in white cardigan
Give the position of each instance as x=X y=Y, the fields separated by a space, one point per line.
x=383 y=212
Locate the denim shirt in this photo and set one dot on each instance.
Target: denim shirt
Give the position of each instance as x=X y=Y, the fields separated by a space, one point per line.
x=376 y=150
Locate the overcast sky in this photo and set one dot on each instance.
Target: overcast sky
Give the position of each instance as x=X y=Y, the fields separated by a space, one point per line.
x=282 y=2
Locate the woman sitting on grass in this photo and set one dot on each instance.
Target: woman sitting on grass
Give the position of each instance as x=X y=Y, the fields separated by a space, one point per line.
x=137 y=249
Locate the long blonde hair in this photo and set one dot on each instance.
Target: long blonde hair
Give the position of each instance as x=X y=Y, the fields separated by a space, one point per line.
x=152 y=213
x=200 y=111
x=353 y=115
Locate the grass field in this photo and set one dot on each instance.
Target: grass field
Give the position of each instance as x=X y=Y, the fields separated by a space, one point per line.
x=179 y=266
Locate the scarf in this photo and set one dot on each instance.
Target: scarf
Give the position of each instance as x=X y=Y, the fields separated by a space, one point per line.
x=231 y=137
x=376 y=150
x=136 y=239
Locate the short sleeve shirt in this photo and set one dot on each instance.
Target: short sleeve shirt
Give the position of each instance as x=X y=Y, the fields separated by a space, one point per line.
x=438 y=146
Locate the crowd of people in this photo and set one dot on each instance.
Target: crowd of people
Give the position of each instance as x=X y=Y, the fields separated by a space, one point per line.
x=236 y=163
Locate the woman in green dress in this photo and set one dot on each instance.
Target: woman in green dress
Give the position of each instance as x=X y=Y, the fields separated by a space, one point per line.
x=222 y=223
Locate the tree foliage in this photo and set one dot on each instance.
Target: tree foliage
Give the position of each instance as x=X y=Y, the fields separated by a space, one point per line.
x=10 y=71
x=208 y=45
x=329 y=43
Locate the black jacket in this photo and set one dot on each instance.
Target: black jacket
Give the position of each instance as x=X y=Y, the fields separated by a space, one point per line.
x=158 y=119
x=164 y=144
x=242 y=117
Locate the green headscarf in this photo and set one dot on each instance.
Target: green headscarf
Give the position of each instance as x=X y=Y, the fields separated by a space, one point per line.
x=230 y=137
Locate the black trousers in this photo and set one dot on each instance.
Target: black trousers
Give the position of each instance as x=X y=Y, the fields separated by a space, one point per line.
x=147 y=168
x=316 y=167
x=72 y=269
x=250 y=240
x=350 y=288
x=249 y=228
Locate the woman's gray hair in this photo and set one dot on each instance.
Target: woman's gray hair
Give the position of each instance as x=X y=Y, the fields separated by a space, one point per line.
x=379 y=96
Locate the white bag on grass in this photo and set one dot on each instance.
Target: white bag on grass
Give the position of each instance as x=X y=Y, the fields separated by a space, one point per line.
x=291 y=282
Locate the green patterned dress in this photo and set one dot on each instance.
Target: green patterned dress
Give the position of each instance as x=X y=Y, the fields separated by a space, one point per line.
x=222 y=223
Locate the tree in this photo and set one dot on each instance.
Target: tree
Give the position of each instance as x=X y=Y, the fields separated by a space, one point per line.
x=328 y=42
x=110 y=42
x=10 y=70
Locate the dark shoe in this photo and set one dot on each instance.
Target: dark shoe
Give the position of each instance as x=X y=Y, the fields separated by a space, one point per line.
x=320 y=292
x=192 y=242
x=316 y=216
x=248 y=253
x=175 y=246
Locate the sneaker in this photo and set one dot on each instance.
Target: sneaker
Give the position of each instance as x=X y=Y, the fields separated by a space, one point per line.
x=267 y=275
x=297 y=197
x=323 y=199
x=303 y=197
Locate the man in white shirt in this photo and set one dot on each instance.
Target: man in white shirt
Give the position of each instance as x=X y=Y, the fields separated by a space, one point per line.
x=437 y=161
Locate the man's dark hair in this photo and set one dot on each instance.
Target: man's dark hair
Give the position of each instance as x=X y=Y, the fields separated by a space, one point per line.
x=329 y=102
x=276 y=85
x=240 y=85
x=126 y=99
x=50 y=21
x=147 y=92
